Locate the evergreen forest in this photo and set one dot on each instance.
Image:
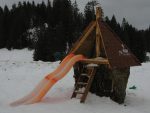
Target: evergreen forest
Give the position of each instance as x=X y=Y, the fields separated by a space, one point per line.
x=50 y=28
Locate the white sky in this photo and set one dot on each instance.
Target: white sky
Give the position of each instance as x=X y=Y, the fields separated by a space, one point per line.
x=137 y=12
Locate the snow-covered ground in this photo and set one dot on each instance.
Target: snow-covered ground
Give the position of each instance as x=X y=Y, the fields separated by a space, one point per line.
x=19 y=74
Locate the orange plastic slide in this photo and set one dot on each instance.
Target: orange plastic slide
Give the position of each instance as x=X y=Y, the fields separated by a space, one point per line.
x=42 y=88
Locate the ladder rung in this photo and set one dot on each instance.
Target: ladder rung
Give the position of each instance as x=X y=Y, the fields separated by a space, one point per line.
x=82 y=83
x=79 y=92
x=84 y=75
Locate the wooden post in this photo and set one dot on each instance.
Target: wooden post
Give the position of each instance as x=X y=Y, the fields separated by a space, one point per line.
x=99 y=38
x=98 y=13
x=98 y=35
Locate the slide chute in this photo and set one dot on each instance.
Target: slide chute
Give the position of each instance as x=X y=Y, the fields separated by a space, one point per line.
x=49 y=80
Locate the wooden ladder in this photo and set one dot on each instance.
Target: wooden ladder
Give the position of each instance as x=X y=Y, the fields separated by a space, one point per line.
x=89 y=75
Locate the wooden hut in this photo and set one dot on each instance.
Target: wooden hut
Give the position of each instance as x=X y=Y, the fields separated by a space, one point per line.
x=106 y=70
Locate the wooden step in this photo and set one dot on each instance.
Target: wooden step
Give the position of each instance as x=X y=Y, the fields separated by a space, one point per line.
x=85 y=75
x=82 y=83
x=79 y=92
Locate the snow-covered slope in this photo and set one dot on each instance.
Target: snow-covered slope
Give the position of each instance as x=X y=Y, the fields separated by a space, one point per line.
x=19 y=74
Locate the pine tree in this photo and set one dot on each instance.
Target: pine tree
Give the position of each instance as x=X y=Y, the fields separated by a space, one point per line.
x=45 y=46
x=57 y=11
x=77 y=21
x=6 y=23
x=138 y=46
x=18 y=26
x=125 y=36
x=107 y=20
x=89 y=12
x=147 y=39
x=49 y=13
x=2 y=39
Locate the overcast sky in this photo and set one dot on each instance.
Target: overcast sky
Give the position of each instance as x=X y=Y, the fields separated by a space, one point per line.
x=137 y=12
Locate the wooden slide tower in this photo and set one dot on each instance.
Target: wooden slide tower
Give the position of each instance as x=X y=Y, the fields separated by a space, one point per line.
x=101 y=46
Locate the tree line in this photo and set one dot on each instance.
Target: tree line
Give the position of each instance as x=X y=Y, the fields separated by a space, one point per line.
x=50 y=28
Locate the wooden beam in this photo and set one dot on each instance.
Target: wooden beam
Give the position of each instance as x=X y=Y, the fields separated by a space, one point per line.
x=95 y=61
x=103 y=44
x=83 y=37
x=98 y=13
x=97 y=41
x=98 y=36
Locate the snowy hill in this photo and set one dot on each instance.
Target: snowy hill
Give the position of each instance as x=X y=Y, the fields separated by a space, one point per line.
x=19 y=74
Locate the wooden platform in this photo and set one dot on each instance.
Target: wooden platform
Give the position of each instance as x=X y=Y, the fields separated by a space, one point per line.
x=98 y=60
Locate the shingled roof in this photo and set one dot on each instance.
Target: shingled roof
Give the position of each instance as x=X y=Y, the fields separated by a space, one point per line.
x=117 y=53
